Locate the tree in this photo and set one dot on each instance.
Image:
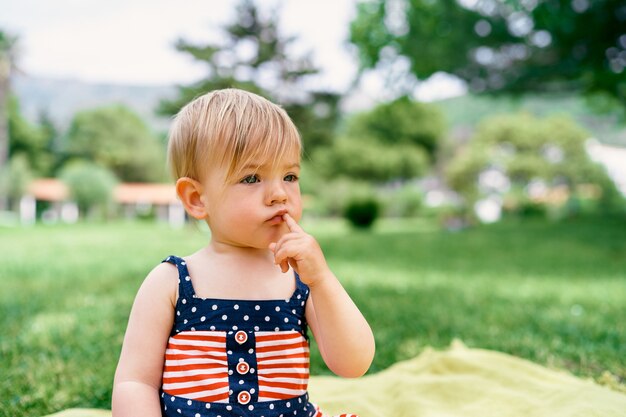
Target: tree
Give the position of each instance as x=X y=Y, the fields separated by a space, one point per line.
x=91 y=186
x=501 y=45
x=7 y=57
x=117 y=139
x=523 y=157
x=255 y=56
x=392 y=141
x=28 y=140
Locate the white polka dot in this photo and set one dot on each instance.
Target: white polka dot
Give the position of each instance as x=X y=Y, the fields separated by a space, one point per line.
x=293 y=311
x=193 y=329
x=189 y=402
x=193 y=309
x=230 y=352
x=229 y=407
x=277 y=329
x=230 y=372
x=235 y=327
x=271 y=406
x=299 y=321
x=299 y=296
x=257 y=307
x=214 y=307
x=185 y=321
x=250 y=407
x=267 y=318
x=277 y=308
x=246 y=317
x=198 y=415
x=252 y=391
x=172 y=399
x=203 y=318
x=178 y=313
x=251 y=371
x=224 y=317
x=179 y=412
x=212 y=327
x=288 y=405
x=183 y=263
x=241 y=382
x=251 y=351
x=184 y=301
x=208 y=405
x=236 y=306
x=302 y=304
x=187 y=278
x=256 y=328
x=286 y=320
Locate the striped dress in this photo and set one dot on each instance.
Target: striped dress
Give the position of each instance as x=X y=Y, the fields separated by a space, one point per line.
x=237 y=357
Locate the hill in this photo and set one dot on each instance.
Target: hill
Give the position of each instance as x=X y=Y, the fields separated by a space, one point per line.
x=62 y=98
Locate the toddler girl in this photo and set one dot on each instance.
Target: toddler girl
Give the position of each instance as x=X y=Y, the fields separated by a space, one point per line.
x=223 y=332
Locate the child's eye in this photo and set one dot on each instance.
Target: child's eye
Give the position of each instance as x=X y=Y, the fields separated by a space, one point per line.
x=291 y=178
x=250 y=179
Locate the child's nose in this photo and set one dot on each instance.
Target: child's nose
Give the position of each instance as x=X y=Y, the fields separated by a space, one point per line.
x=276 y=193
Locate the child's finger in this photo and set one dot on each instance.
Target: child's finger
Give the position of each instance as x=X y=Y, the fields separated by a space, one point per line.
x=291 y=223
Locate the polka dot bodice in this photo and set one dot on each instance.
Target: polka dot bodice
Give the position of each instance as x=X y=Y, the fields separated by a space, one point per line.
x=236 y=357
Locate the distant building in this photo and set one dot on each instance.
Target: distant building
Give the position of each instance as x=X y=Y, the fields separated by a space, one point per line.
x=134 y=199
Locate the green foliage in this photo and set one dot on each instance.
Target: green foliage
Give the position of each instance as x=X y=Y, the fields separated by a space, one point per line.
x=91 y=186
x=369 y=160
x=501 y=45
x=402 y=121
x=117 y=139
x=362 y=211
x=15 y=177
x=28 y=140
x=254 y=55
x=404 y=201
x=392 y=141
x=521 y=149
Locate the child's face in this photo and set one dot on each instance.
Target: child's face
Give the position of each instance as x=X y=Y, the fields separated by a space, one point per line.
x=247 y=211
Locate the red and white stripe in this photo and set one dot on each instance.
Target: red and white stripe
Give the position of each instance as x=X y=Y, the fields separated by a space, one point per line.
x=282 y=365
x=196 y=366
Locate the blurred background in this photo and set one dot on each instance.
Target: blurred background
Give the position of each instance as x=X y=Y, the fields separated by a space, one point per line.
x=473 y=109
x=464 y=170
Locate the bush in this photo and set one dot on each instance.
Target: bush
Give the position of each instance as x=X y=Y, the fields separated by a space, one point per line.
x=362 y=212
x=90 y=185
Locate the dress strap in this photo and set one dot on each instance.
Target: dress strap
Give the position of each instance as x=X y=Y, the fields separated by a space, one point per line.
x=185 y=287
x=301 y=287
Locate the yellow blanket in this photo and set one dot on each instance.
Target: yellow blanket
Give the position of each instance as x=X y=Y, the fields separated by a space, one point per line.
x=458 y=382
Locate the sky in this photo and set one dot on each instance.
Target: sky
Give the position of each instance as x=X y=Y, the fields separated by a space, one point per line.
x=131 y=42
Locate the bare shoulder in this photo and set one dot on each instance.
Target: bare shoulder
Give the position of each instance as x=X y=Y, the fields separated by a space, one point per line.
x=161 y=283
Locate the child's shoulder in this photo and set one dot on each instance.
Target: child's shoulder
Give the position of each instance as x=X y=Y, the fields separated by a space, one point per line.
x=162 y=281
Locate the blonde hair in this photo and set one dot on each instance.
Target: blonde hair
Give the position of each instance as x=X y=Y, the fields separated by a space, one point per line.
x=229 y=129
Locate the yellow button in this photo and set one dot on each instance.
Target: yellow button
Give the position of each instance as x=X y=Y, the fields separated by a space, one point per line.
x=243 y=368
x=241 y=337
x=243 y=397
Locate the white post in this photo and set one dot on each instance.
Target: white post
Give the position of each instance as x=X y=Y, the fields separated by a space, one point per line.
x=28 y=210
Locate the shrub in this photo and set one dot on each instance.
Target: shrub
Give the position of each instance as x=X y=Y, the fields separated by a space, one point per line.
x=362 y=212
x=90 y=185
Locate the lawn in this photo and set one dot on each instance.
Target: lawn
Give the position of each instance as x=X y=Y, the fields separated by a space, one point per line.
x=554 y=293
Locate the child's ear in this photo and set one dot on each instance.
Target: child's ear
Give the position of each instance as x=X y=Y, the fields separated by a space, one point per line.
x=190 y=193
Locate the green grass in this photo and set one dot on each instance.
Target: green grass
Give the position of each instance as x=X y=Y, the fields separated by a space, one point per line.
x=554 y=293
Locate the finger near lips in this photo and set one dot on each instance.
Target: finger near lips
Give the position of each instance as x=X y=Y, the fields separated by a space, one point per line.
x=291 y=223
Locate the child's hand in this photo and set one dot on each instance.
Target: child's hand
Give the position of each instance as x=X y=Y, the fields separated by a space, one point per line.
x=300 y=250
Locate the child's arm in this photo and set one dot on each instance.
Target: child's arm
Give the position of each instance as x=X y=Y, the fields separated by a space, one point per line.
x=139 y=371
x=343 y=335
